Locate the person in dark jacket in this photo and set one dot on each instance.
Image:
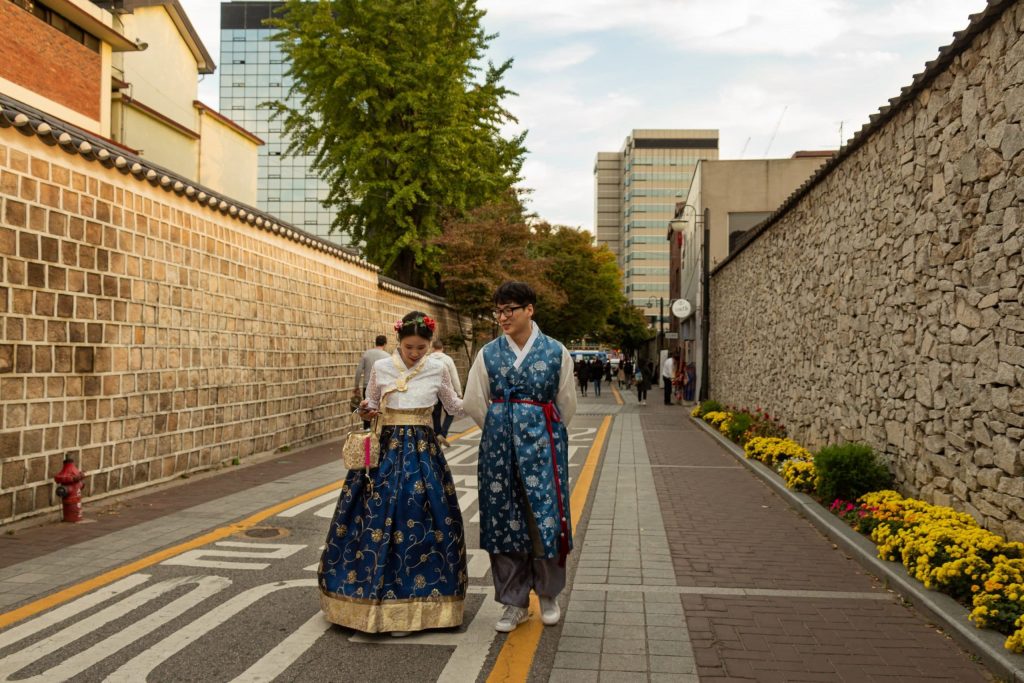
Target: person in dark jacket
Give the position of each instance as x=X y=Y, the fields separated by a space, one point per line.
x=643 y=381
x=583 y=374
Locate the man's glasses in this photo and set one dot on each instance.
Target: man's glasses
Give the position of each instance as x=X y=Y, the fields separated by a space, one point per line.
x=505 y=311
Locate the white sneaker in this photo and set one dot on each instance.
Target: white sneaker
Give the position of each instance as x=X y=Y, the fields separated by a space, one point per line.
x=510 y=618
x=550 y=612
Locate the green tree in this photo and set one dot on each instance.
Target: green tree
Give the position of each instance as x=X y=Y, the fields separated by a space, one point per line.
x=402 y=123
x=587 y=276
x=627 y=328
x=480 y=250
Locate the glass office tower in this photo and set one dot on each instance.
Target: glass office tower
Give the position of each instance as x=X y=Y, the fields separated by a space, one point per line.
x=252 y=71
x=635 y=193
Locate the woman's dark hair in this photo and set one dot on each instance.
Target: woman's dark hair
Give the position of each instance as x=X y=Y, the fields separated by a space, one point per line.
x=415 y=323
x=512 y=292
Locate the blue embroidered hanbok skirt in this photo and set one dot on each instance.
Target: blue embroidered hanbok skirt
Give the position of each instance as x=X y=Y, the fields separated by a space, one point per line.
x=395 y=556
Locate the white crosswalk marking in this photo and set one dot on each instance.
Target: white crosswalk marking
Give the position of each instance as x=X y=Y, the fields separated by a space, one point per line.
x=204 y=587
x=275 y=662
x=55 y=616
x=139 y=668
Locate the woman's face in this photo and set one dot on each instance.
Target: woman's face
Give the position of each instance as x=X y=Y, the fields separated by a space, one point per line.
x=413 y=348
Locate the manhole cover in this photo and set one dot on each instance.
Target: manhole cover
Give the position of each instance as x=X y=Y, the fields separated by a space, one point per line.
x=265 y=532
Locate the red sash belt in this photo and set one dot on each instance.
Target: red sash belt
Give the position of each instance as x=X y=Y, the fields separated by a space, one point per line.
x=551 y=416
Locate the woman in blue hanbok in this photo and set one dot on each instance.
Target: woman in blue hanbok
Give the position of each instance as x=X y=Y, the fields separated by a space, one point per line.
x=395 y=556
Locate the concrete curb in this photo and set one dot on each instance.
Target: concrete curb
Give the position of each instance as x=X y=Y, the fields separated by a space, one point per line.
x=985 y=643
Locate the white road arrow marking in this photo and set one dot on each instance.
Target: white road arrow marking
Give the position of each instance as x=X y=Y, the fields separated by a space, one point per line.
x=302 y=507
x=194 y=558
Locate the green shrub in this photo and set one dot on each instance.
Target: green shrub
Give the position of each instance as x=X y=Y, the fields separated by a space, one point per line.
x=848 y=471
x=737 y=425
x=709 y=407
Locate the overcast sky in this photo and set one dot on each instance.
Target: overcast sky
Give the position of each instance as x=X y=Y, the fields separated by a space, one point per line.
x=774 y=77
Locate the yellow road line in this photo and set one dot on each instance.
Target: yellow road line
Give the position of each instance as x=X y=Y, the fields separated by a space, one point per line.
x=618 y=396
x=516 y=656
x=71 y=592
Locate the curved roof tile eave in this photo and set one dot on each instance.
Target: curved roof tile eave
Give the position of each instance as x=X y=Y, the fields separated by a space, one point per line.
x=73 y=140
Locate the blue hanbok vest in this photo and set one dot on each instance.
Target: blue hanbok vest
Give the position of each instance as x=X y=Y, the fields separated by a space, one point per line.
x=524 y=443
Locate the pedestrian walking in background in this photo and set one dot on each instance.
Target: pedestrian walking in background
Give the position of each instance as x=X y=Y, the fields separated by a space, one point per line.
x=442 y=420
x=583 y=375
x=520 y=393
x=620 y=375
x=608 y=372
x=642 y=378
x=370 y=356
x=691 y=382
x=678 y=381
x=629 y=371
x=595 y=374
x=668 y=373
x=395 y=555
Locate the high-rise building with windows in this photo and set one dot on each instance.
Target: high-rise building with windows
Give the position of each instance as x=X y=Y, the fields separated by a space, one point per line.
x=252 y=72
x=636 y=190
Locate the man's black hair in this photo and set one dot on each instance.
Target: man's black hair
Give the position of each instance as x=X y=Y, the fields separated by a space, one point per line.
x=512 y=292
x=381 y=340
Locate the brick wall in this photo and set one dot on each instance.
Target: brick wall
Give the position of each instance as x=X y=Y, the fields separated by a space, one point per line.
x=152 y=336
x=37 y=56
x=886 y=305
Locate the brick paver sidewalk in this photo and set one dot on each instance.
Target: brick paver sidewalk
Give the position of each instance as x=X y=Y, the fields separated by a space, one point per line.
x=765 y=595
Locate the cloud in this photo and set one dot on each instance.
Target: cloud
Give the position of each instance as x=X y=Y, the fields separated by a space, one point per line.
x=741 y=27
x=559 y=58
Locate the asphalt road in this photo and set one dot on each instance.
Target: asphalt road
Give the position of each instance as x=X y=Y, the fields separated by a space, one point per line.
x=246 y=608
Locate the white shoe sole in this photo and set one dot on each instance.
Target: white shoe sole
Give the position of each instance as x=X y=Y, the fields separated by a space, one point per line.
x=505 y=628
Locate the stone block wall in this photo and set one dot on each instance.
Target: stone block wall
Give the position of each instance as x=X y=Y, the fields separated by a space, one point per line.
x=884 y=303
x=150 y=335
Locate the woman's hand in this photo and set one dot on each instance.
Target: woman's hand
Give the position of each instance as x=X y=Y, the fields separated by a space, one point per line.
x=365 y=412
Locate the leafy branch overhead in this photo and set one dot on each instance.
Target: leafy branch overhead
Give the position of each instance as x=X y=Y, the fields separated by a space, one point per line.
x=401 y=122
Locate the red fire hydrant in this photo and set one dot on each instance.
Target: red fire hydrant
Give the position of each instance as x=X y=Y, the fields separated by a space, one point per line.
x=69 y=489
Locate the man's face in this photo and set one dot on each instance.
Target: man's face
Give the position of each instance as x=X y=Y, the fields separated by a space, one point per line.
x=515 y=319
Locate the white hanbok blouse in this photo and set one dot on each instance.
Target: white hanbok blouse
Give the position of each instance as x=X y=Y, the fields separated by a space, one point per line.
x=420 y=386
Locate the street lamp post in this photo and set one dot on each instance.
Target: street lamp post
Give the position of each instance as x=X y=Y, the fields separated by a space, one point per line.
x=661 y=317
x=702 y=221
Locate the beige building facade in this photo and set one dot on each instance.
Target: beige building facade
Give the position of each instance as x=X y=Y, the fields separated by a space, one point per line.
x=155 y=108
x=129 y=75
x=636 y=190
x=738 y=195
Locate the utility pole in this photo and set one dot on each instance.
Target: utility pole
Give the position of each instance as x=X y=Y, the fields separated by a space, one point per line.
x=661 y=322
x=705 y=371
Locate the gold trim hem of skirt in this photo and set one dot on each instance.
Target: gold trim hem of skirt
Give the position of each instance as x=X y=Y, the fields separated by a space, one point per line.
x=392 y=615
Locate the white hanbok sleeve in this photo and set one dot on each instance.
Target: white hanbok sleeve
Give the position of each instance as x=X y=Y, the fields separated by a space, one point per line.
x=566 y=398
x=477 y=398
x=448 y=396
x=373 y=391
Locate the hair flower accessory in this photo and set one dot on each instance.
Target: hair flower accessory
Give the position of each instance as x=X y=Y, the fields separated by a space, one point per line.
x=425 y=321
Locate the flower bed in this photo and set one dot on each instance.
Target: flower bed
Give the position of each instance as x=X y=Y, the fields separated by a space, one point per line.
x=944 y=549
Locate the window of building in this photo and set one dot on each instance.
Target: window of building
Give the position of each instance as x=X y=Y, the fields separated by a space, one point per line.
x=61 y=23
x=741 y=222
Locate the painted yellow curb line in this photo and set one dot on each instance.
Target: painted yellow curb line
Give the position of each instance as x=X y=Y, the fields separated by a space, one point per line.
x=618 y=396
x=516 y=655
x=71 y=592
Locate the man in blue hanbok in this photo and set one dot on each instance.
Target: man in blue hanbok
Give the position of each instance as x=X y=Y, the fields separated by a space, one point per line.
x=521 y=393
